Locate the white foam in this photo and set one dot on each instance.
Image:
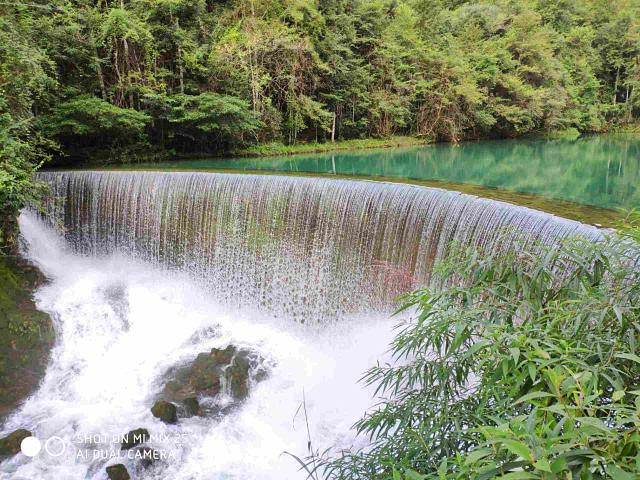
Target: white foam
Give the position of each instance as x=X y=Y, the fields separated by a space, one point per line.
x=121 y=323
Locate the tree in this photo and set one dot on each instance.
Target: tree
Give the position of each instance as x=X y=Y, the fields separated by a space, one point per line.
x=206 y=121
x=84 y=121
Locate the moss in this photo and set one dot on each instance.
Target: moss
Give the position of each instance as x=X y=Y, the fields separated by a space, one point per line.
x=118 y=472
x=26 y=334
x=10 y=445
x=165 y=411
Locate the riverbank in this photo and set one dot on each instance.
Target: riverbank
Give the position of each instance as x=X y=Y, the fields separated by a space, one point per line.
x=279 y=149
x=273 y=149
x=26 y=334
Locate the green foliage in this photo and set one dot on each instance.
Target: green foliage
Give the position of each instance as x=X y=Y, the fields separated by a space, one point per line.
x=25 y=81
x=16 y=185
x=279 y=149
x=209 y=117
x=84 y=120
x=90 y=116
x=313 y=71
x=525 y=367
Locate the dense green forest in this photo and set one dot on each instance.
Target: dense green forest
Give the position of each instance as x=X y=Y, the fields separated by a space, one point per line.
x=119 y=79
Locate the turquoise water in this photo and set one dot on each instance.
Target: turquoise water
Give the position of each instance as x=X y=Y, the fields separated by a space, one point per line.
x=601 y=171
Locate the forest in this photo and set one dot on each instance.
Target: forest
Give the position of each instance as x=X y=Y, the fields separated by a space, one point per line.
x=117 y=80
x=520 y=362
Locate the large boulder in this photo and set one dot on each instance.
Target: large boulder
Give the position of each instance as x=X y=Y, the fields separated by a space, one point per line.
x=134 y=437
x=118 y=472
x=165 y=411
x=228 y=370
x=10 y=445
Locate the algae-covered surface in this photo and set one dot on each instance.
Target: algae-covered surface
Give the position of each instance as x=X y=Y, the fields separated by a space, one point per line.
x=26 y=334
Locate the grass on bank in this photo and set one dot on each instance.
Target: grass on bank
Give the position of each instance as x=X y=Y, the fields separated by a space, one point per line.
x=526 y=366
x=277 y=149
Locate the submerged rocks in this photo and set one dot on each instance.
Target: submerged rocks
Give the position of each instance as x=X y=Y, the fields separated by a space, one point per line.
x=118 y=472
x=227 y=370
x=141 y=453
x=165 y=411
x=134 y=437
x=10 y=445
x=147 y=456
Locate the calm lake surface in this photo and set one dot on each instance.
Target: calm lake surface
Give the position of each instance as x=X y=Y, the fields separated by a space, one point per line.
x=601 y=173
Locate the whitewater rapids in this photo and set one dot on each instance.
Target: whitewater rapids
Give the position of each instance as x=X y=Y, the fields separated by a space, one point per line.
x=121 y=323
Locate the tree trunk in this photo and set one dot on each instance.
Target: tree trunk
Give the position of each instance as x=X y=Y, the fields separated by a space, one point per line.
x=119 y=99
x=180 y=63
x=180 y=70
x=103 y=88
x=333 y=128
x=127 y=64
x=615 y=86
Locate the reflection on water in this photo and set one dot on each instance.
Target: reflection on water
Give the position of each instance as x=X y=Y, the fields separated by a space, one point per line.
x=602 y=171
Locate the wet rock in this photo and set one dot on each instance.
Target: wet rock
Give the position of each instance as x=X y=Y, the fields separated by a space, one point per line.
x=146 y=456
x=135 y=437
x=238 y=377
x=191 y=407
x=229 y=369
x=165 y=411
x=118 y=472
x=10 y=445
x=26 y=334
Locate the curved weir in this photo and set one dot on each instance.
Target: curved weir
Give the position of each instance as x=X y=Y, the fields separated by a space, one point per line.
x=149 y=271
x=303 y=248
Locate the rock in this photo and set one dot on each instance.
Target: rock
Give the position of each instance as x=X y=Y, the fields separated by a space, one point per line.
x=118 y=472
x=223 y=357
x=238 y=377
x=205 y=374
x=191 y=407
x=146 y=456
x=10 y=445
x=135 y=437
x=165 y=411
x=229 y=369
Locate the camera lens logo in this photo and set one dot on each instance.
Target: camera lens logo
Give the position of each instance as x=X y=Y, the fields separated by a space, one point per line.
x=30 y=446
x=55 y=446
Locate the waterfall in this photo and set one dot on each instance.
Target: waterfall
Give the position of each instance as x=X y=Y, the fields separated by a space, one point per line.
x=156 y=268
x=303 y=248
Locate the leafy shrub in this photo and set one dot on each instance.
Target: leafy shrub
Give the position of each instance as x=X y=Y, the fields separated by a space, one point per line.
x=527 y=369
x=20 y=156
x=210 y=118
x=88 y=121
